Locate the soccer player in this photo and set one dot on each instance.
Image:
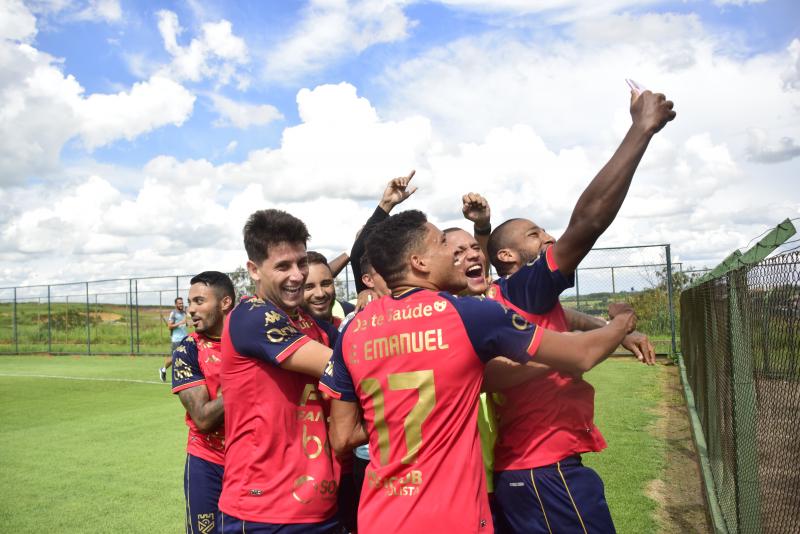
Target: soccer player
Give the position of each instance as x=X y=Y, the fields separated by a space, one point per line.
x=319 y=291
x=176 y=323
x=540 y=482
x=195 y=379
x=413 y=363
x=279 y=473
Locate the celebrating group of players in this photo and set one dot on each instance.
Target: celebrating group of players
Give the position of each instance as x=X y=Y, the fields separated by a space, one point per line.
x=304 y=391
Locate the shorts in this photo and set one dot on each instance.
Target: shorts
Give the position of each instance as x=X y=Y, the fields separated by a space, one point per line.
x=202 y=485
x=562 y=497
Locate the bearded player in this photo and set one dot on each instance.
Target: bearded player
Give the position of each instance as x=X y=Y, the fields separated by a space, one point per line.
x=407 y=372
x=195 y=379
x=541 y=484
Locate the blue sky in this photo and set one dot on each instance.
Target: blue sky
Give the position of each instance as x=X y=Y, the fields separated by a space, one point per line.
x=137 y=136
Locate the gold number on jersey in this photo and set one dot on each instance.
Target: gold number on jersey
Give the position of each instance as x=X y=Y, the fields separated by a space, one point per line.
x=423 y=382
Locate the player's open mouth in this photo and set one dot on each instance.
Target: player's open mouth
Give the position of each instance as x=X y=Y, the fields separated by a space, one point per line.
x=476 y=271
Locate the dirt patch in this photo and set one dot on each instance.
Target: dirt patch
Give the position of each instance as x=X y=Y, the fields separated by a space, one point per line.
x=681 y=506
x=107 y=317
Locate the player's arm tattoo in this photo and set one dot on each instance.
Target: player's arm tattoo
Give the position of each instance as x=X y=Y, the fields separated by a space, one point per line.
x=206 y=414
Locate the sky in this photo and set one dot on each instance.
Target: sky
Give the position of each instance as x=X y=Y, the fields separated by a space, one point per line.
x=137 y=137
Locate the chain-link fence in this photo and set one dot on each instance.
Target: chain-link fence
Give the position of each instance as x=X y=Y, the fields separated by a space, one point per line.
x=740 y=344
x=129 y=316
x=643 y=276
x=122 y=316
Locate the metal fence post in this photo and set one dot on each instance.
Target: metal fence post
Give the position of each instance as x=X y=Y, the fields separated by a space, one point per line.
x=14 y=323
x=88 y=324
x=577 y=292
x=748 y=513
x=136 y=288
x=130 y=310
x=49 y=323
x=613 y=283
x=669 y=300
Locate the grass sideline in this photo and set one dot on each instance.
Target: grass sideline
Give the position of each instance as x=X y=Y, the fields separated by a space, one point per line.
x=103 y=455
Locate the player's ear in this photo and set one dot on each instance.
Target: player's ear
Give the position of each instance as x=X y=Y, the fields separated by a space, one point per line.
x=227 y=304
x=506 y=255
x=252 y=268
x=420 y=263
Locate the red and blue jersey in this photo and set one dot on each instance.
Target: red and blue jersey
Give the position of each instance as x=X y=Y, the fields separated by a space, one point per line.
x=278 y=466
x=196 y=362
x=414 y=363
x=551 y=417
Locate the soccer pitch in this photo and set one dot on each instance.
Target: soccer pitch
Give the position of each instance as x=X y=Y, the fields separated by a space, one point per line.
x=97 y=444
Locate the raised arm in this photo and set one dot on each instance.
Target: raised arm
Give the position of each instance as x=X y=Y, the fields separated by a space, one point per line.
x=397 y=190
x=338 y=263
x=476 y=209
x=600 y=202
x=206 y=414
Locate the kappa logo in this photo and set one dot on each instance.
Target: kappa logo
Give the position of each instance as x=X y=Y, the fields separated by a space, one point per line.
x=271 y=317
x=439 y=305
x=205 y=523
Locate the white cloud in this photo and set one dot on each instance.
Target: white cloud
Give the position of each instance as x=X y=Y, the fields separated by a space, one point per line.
x=16 y=22
x=108 y=10
x=243 y=114
x=737 y=2
x=93 y=10
x=559 y=10
x=41 y=109
x=148 y=105
x=760 y=149
x=217 y=53
x=791 y=78
x=331 y=29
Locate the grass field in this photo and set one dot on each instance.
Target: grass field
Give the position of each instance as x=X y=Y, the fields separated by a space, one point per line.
x=104 y=451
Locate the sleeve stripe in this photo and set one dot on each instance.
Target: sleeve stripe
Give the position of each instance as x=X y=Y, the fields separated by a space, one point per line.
x=325 y=388
x=187 y=385
x=551 y=261
x=536 y=340
x=292 y=348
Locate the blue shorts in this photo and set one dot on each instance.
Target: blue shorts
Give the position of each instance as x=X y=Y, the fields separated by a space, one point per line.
x=231 y=525
x=202 y=484
x=563 y=497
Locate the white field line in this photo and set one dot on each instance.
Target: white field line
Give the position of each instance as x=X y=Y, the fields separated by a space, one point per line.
x=131 y=380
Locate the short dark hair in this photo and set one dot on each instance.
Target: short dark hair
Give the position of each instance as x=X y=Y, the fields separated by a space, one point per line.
x=177 y=299
x=498 y=240
x=315 y=258
x=392 y=239
x=219 y=282
x=270 y=227
x=364 y=263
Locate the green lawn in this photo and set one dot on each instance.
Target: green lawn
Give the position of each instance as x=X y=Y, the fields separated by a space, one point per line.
x=107 y=456
x=627 y=394
x=89 y=455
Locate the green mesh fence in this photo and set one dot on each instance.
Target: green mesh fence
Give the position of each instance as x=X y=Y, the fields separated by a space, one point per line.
x=740 y=342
